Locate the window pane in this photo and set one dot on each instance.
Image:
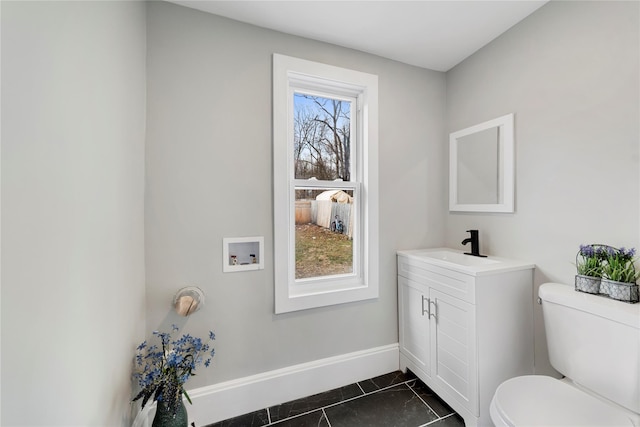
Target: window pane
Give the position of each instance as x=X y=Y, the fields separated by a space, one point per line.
x=324 y=232
x=322 y=138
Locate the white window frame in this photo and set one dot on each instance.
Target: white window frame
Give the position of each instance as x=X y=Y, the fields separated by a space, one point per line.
x=297 y=75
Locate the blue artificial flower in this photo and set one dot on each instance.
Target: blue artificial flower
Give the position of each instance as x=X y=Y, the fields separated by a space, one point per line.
x=162 y=370
x=150 y=377
x=197 y=344
x=165 y=337
x=174 y=359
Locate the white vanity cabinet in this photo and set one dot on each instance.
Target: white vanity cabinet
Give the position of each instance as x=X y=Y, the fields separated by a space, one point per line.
x=466 y=325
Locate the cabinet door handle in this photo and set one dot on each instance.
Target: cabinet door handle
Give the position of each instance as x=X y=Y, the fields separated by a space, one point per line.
x=428 y=306
x=433 y=312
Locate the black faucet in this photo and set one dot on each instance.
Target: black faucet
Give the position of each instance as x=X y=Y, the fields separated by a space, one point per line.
x=475 y=244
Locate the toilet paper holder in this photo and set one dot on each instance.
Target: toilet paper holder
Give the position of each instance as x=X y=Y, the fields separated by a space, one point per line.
x=188 y=300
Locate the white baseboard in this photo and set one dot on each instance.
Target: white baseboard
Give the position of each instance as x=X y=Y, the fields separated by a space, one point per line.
x=237 y=397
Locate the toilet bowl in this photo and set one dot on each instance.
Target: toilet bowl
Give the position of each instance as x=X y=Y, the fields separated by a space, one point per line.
x=537 y=400
x=595 y=343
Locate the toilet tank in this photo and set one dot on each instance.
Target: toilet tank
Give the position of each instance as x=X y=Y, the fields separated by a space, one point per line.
x=594 y=341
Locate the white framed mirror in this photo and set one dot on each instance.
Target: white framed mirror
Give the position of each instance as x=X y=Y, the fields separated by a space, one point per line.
x=481 y=167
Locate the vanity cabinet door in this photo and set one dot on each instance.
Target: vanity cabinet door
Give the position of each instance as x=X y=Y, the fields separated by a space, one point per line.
x=415 y=329
x=453 y=348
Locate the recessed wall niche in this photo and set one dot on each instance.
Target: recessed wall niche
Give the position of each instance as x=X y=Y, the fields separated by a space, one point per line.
x=242 y=254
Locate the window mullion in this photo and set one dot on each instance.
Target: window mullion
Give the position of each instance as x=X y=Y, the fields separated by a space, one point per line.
x=306 y=183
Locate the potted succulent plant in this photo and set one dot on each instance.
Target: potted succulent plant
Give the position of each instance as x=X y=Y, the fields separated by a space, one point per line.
x=619 y=275
x=161 y=371
x=589 y=264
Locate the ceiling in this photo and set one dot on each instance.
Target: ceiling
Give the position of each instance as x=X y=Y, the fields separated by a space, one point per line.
x=429 y=34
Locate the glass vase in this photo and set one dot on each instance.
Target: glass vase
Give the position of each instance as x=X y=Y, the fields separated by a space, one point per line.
x=165 y=418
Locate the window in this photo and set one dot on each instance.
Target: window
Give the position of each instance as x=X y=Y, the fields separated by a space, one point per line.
x=325 y=184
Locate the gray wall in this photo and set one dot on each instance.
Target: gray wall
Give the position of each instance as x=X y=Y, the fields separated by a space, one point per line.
x=570 y=74
x=73 y=83
x=209 y=176
x=73 y=115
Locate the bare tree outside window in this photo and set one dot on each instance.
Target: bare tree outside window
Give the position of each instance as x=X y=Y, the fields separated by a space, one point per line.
x=322 y=138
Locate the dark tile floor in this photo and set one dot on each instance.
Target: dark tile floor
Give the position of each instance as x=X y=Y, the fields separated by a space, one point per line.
x=395 y=399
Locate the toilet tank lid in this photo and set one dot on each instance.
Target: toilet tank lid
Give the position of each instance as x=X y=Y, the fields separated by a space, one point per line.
x=618 y=311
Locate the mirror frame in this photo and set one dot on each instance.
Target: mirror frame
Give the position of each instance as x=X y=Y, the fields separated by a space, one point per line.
x=507 y=165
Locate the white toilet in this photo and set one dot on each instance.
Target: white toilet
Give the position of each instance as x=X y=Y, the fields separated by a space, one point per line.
x=595 y=343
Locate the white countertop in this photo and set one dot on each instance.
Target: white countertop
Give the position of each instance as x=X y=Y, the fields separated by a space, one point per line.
x=457 y=260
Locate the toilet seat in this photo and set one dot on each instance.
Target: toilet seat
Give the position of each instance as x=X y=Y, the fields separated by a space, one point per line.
x=536 y=400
